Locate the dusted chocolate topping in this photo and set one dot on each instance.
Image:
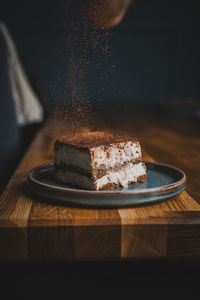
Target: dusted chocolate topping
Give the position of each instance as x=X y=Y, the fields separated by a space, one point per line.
x=90 y=140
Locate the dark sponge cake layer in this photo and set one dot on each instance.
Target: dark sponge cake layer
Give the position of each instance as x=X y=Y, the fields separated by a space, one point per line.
x=90 y=140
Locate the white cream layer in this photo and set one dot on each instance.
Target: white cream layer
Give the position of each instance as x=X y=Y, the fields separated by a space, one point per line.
x=114 y=155
x=127 y=174
x=130 y=173
x=98 y=156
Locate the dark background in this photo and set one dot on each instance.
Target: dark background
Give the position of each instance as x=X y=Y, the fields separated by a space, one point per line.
x=151 y=60
x=156 y=53
x=155 y=49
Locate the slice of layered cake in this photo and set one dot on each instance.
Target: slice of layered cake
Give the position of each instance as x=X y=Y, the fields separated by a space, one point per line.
x=97 y=160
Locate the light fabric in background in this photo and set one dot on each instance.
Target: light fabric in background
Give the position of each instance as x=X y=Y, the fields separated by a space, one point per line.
x=28 y=107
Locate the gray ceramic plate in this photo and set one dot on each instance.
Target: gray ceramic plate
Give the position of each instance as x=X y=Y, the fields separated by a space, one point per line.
x=163 y=182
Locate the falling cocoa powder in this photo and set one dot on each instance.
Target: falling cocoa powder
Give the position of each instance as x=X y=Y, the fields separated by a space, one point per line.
x=84 y=40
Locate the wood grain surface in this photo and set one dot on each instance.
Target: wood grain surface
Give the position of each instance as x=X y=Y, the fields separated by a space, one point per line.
x=33 y=228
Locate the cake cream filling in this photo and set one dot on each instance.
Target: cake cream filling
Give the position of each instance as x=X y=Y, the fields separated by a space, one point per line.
x=128 y=174
x=116 y=154
x=109 y=157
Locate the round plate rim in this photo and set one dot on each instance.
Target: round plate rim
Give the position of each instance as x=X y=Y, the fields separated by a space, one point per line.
x=162 y=190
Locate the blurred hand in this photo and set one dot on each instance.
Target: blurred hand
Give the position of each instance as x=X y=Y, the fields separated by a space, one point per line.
x=105 y=13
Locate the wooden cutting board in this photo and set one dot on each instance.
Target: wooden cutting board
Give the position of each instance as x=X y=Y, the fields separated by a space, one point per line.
x=34 y=229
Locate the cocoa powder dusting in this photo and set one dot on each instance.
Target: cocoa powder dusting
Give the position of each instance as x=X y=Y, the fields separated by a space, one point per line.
x=85 y=43
x=94 y=139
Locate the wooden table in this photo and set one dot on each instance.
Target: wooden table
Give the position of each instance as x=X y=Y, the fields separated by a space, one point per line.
x=33 y=229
